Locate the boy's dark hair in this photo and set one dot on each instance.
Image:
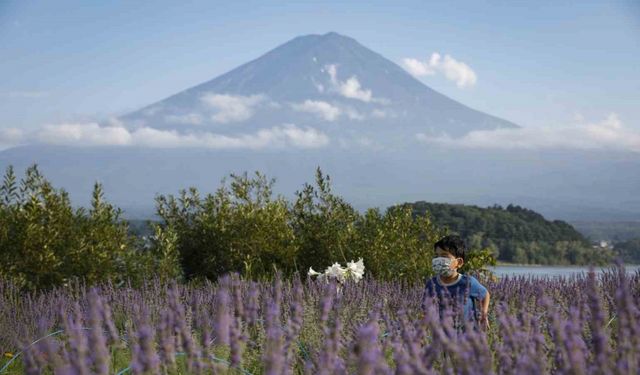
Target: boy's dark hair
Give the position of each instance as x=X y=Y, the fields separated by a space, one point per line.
x=452 y=244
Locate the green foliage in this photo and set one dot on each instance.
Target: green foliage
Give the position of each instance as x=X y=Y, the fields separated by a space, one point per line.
x=478 y=260
x=44 y=242
x=165 y=253
x=614 y=231
x=323 y=225
x=243 y=228
x=515 y=234
x=240 y=228
x=396 y=244
x=629 y=251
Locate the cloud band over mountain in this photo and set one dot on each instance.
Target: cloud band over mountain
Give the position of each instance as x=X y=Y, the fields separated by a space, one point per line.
x=609 y=134
x=94 y=134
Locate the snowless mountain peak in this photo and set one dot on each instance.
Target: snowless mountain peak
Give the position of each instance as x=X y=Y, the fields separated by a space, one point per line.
x=317 y=80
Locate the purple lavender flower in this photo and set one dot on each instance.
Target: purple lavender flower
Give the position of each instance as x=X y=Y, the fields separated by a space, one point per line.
x=223 y=318
x=97 y=340
x=273 y=353
x=369 y=356
x=78 y=342
x=167 y=347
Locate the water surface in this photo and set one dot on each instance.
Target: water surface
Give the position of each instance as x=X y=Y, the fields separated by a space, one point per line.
x=551 y=271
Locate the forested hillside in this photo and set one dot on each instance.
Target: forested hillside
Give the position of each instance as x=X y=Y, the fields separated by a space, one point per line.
x=629 y=251
x=515 y=234
x=612 y=231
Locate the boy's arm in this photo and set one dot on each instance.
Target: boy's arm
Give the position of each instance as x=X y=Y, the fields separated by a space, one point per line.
x=482 y=293
x=484 y=310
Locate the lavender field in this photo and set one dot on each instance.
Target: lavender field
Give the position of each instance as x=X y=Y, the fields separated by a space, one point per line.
x=585 y=324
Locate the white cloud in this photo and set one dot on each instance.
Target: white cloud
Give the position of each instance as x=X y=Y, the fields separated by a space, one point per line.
x=232 y=108
x=320 y=108
x=92 y=134
x=276 y=137
x=452 y=69
x=350 y=88
x=304 y=138
x=609 y=134
x=327 y=111
x=417 y=67
x=188 y=119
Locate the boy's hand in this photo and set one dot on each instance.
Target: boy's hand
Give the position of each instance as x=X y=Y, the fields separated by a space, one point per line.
x=484 y=321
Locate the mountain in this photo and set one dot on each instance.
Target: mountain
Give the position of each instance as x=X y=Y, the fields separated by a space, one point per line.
x=326 y=81
x=325 y=100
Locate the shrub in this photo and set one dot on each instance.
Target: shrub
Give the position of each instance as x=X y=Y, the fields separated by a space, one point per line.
x=45 y=242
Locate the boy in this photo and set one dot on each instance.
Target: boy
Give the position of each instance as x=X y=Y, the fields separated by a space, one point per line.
x=450 y=253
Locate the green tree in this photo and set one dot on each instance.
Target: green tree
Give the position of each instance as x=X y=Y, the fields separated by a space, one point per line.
x=323 y=225
x=44 y=242
x=514 y=233
x=239 y=228
x=629 y=251
x=164 y=255
x=397 y=244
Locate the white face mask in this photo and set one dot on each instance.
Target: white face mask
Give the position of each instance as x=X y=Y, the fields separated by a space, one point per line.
x=442 y=266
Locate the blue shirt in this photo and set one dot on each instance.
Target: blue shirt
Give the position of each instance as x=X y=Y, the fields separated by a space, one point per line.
x=467 y=290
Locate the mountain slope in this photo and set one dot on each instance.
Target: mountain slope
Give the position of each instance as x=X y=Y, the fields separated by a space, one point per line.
x=320 y=80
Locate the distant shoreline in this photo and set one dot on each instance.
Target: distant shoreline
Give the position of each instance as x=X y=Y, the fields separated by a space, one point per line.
x=507 y=264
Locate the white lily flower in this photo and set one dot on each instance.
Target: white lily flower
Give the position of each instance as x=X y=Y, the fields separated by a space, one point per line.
x=353 y=271
x=312 y=272
x=336 y=271
x=356 y=269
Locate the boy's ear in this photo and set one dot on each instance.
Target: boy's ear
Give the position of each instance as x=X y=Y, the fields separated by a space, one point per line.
x=460 y=262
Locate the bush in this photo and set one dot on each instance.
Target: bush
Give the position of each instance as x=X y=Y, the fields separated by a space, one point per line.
x=44 y=242
x=396 y=244
x=324 y=226
x=242 y=227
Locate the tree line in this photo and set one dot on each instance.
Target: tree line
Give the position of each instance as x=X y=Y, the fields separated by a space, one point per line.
x=515 y=234
x=242 y=227
x=629 y=251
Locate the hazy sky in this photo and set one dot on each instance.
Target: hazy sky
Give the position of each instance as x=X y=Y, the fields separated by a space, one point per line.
x=537 y=63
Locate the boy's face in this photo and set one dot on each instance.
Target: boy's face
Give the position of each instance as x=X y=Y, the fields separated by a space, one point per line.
x=456 y=262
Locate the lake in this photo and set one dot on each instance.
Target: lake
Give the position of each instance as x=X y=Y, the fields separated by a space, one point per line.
x=550 y=271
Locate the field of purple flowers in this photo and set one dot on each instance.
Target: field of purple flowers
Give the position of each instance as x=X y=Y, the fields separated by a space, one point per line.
x=584 y=324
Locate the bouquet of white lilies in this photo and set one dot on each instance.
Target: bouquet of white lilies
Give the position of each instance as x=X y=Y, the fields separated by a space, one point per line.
x=353 y=271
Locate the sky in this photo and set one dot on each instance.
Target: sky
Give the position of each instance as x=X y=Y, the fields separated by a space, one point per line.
x=539 y=64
